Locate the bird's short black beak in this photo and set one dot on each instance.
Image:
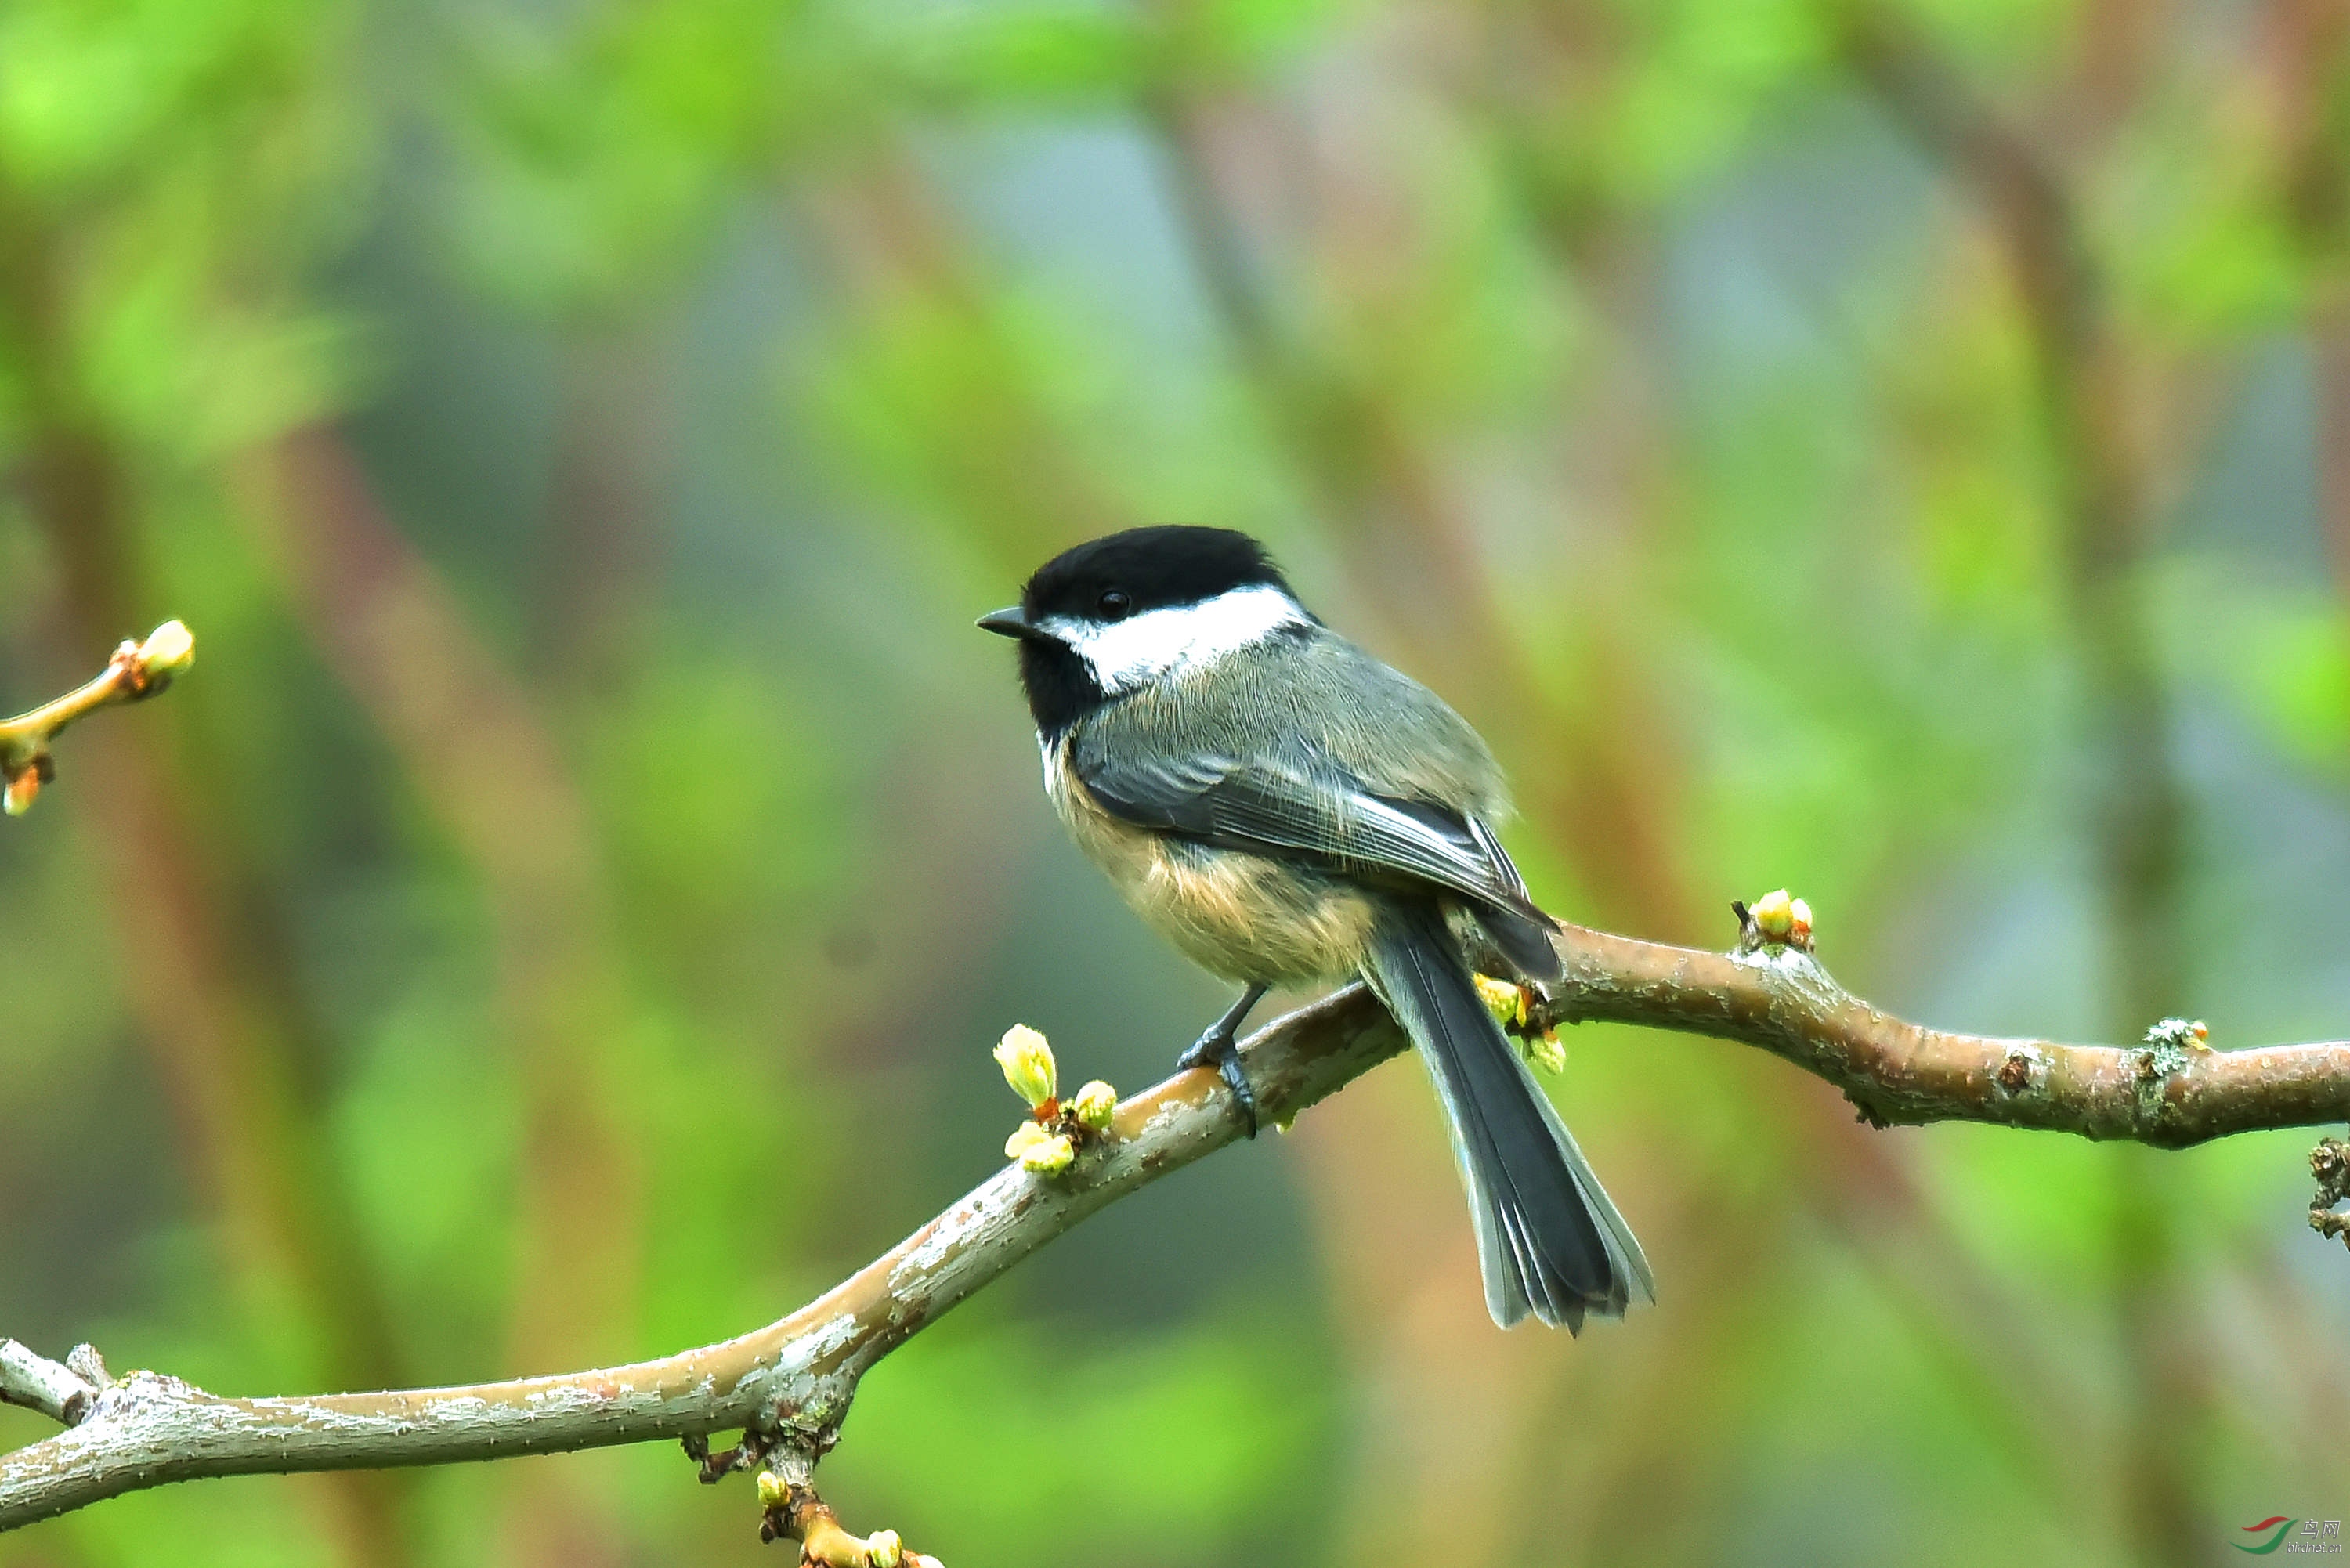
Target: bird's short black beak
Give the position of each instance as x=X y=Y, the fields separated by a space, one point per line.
x=1014 y=622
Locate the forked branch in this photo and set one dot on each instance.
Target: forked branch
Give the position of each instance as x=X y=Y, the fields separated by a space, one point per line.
x=787 y=1387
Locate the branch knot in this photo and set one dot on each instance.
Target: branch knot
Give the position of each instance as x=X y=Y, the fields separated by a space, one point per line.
x=2330 y=1163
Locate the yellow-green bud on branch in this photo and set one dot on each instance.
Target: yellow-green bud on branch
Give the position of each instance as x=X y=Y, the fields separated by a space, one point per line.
x=773 y=1490
x=22 y=789
x=1048 y=1157
x=1095 y=1105
x=1545 y=1051
x=824 y=1543
x=1027 y=1063
x=1775 y=919
x=1040 y=1150
x=1506 y=1000
x=169 y=650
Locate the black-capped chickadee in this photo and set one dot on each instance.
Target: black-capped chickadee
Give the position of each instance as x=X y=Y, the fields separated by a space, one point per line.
x=1288 y=809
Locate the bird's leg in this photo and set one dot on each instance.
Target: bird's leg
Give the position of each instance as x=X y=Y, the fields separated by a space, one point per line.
x=1220 y=1048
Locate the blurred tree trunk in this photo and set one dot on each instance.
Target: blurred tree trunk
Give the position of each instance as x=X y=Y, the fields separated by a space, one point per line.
x=2091 y=405
x=2309 y=44
x=478 y=756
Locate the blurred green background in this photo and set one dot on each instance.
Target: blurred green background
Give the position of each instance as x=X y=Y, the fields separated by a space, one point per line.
x=1902 y=453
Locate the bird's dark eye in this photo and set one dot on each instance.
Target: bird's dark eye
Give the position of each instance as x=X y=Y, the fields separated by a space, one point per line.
x=1115 y=606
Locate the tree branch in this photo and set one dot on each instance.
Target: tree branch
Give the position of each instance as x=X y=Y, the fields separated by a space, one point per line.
x=137 y=670
x=57 y=1390
x=2167 y=1093
x=788 y=1386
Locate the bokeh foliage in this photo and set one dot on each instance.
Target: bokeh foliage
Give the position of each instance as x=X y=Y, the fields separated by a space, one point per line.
x=564 y=916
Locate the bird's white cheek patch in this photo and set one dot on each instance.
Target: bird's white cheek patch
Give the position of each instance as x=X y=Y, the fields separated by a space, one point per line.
x=1126 y=653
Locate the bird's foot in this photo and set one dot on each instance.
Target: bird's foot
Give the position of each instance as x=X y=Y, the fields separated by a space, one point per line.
x=1218 y=1049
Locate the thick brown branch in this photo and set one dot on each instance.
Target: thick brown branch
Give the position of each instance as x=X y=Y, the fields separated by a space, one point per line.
x=1902 y=1074
x=789 y=1385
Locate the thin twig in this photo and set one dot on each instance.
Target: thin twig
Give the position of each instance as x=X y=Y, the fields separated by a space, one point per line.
x=57 y=1391
x=137 y=670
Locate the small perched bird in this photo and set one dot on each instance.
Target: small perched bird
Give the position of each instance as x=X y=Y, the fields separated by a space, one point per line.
x=1288 y=809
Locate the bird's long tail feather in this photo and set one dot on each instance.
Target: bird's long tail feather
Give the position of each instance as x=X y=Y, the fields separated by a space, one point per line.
x=1548 y=1240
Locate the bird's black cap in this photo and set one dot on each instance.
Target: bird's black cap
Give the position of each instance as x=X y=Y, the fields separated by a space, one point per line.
x=1108 y=579
x=1152 y=568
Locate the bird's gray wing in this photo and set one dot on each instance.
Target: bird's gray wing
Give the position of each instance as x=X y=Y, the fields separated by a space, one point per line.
x=1330 y=820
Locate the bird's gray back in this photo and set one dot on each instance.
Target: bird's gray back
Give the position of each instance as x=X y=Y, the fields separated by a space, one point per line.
x=1305 y=703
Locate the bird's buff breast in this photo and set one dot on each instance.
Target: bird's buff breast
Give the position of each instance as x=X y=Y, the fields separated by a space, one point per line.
x=1242 y=917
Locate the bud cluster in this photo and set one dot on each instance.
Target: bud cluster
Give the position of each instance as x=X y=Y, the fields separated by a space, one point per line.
x=797 y=1510
x=1775 y=919
x=1510 y=1005
x=1046 y=1144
